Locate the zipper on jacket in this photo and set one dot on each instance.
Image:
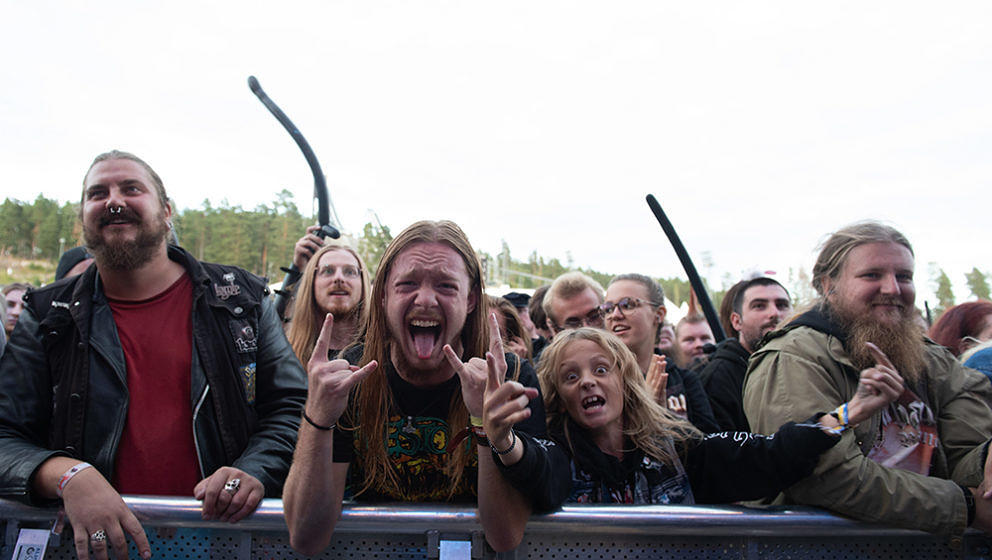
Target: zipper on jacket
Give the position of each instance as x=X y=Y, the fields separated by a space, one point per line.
x=196 y=442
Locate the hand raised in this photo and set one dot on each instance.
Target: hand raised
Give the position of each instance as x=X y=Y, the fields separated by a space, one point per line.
x=306 y=247
x=657 y=378
x=226 y=500
x=475 y=372
x=330 y=381
x=505 y=404
x=676 y=404
x=877 y=387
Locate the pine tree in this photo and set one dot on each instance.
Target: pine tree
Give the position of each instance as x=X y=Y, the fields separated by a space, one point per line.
x=978 y=283
x=944 y=292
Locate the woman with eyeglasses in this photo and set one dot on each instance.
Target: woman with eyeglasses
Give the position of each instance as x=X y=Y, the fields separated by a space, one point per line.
x=634 y=311
x=334 y=281
x=612 y=442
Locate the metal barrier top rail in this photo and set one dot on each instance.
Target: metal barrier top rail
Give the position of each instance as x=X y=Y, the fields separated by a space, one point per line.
x=571 y=520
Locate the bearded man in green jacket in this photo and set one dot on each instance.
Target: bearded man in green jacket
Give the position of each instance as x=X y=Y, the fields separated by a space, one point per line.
x=921 y=463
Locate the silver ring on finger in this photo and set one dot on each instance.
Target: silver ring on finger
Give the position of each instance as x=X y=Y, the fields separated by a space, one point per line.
x=98 y=536
x=232 y=486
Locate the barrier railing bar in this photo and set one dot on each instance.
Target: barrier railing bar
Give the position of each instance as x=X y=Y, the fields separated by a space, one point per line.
x=574 y=519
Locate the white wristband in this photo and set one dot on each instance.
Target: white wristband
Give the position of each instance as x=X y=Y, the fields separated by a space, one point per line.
x=76 y=469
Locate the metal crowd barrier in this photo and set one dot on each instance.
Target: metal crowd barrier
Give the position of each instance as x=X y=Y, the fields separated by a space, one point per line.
x=429 y=531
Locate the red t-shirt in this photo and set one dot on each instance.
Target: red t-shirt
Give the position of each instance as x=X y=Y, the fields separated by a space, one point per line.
x=156 y=454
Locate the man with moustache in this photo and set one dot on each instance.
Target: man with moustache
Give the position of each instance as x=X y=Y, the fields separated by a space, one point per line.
x=758 y=306
x=920 y=464
x=149 y=373
x=335 y=280
x=399 y=418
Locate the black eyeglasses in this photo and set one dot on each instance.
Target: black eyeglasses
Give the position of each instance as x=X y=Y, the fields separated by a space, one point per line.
x=592 y=319
x=625 y=304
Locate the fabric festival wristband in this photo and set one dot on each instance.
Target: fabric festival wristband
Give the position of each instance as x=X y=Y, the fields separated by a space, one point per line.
x=76 y=469
x=841 y=415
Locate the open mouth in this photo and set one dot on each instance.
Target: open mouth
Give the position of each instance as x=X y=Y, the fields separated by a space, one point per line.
x=593 y=402
x=617 y=329
x=340 y=293
x=425 y=334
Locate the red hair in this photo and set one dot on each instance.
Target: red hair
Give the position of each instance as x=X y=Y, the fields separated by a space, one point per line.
x=966 y=319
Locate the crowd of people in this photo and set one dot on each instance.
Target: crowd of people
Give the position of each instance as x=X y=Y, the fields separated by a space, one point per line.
x=142 y=370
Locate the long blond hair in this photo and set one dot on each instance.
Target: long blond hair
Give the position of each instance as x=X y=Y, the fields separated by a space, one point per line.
x=307 y=317
x=647 y=423
x=373 y=398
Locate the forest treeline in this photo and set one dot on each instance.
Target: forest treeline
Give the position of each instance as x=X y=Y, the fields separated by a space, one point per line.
x=261 y=240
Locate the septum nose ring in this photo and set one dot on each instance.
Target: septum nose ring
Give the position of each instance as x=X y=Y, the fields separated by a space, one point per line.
x=116 y=209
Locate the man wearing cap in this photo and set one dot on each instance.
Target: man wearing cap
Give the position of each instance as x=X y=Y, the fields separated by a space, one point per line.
x=521 y=302
x=73 y=262
x=150 y=373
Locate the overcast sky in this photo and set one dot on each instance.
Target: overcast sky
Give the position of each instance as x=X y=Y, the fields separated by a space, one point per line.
x=760 y=126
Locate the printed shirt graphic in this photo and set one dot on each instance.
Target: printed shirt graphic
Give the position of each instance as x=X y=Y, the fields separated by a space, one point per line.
x=908 y=435
x=648 y=481
x=417 y=436
x=416 y=448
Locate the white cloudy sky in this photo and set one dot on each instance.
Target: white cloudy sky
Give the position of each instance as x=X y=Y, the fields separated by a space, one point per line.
x=760 y=126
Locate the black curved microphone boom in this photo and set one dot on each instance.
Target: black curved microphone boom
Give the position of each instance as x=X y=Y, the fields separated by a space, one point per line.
x=319 y=190
x=690 y=269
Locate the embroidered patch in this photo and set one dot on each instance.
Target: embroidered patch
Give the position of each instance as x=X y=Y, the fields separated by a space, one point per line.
x=248 y=378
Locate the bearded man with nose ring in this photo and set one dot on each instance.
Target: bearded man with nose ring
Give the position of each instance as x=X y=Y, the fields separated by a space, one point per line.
x=150 y=373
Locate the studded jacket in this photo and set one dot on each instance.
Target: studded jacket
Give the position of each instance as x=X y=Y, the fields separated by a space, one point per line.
x=63 y=384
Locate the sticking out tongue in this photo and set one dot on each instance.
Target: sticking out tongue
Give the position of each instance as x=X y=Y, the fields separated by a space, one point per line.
x=423 y=341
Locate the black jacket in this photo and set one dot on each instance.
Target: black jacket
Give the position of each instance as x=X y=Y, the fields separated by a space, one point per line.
x=720 y=468
x=63 y=380
x=723 y=381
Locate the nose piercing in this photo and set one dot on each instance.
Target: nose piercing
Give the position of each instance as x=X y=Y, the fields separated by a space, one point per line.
x=116 y=209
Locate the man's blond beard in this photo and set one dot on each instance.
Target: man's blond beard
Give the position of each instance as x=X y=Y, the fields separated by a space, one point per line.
x=902 y=342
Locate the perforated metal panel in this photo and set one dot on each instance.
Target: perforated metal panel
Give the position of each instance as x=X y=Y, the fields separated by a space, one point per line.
x=176 y=544
x=412 y=532
x=614 y=548
x=201 y=544
x=401 y=547
x=857 y=549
